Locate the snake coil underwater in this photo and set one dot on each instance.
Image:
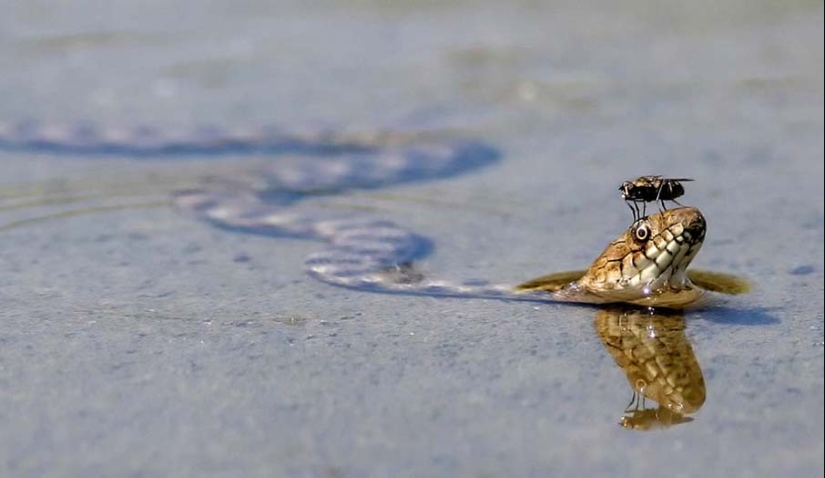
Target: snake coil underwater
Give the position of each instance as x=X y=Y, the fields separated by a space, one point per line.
x=646 y=265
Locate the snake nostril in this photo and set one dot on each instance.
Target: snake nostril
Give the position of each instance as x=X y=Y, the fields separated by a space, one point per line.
x=697 y=229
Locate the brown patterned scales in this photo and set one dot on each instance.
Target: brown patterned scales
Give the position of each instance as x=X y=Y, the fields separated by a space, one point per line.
x=653 y=351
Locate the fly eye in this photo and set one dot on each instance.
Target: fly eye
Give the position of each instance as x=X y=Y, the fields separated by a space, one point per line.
x=626 y=188
x=642 y=231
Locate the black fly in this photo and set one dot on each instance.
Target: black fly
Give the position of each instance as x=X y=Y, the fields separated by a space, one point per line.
x=651 y=189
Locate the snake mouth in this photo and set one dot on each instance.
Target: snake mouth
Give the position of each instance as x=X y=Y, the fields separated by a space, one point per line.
x=662 y=262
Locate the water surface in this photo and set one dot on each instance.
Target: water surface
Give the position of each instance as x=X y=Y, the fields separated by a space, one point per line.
x=137 y=340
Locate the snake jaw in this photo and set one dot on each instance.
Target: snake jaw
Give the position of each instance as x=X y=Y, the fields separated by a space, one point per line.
x=664 y=263
x=684 y=257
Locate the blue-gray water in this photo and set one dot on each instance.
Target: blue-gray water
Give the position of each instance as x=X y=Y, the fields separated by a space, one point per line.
x=138 y=341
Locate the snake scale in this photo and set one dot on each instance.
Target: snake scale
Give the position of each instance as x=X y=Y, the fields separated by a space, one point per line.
x=652 y=349
x=645 y=265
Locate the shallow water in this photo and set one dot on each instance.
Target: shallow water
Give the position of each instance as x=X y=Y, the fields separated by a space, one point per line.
x=137 y=340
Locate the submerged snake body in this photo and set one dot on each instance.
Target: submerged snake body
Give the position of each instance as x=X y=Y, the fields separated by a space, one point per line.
x=372 y=254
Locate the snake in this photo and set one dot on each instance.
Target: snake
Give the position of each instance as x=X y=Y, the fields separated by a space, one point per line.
x=652 y=349
x=645 y=265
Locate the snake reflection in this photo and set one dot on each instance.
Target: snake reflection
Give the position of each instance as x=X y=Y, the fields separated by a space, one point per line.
x=651 y=348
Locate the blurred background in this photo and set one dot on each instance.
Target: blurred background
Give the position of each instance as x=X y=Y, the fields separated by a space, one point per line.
x=137 y=341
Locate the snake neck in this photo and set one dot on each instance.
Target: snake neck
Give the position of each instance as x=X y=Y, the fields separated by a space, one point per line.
x=647 y=263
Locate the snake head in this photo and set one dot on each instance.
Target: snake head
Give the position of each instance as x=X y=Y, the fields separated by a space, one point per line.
x=647 y=263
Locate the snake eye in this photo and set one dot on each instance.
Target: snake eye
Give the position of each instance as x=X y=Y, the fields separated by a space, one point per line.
x=641 y=231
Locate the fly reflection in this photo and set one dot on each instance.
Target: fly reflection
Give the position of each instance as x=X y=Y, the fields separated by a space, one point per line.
x=651 y=348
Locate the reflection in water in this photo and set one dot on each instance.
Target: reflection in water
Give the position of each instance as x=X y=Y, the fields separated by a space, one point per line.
x=651 y=348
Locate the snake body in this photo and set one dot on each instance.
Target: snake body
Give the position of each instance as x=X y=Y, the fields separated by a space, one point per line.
x=372 y=253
